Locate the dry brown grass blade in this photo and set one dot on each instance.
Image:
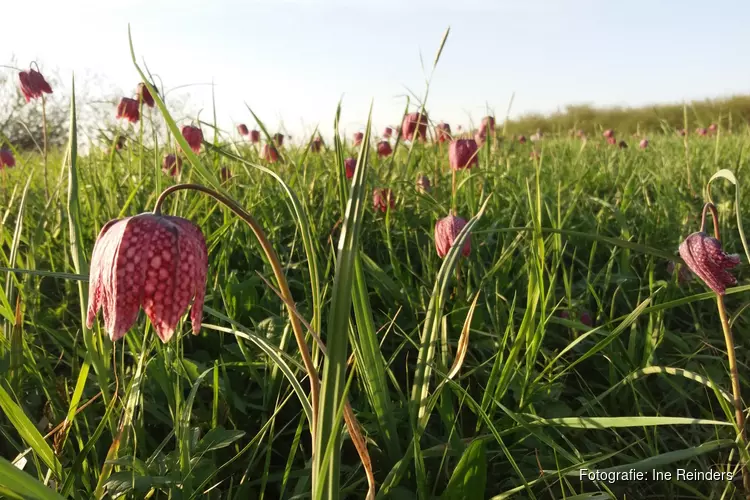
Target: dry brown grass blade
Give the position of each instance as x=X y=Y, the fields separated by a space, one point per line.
x=463 y=341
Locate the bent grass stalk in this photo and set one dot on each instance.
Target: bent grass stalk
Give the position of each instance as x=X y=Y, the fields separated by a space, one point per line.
x=731 y=357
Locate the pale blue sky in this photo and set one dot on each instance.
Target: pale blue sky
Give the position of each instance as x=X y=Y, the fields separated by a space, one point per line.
x=292 y=60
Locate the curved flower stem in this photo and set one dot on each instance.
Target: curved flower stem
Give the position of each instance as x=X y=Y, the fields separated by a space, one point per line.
x=731 y=356
x=280 y=278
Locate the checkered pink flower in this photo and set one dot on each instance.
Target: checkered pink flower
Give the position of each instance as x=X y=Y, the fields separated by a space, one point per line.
x=194 y=137
x=705 y=257
x=33 y=84
x=414 y=123
x=446 y=231
x=152 y=261
x=462 y=153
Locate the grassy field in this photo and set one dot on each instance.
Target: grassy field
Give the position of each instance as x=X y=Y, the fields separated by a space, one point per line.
x=469 y=377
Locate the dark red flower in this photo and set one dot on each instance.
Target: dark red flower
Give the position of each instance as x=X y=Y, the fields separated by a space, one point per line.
x=683 y=132
x=423 y=184
x=446 y=231
x=443 y=132
x=278 y=139
x=387 y=133
x=242 y=129
x=384 y=149
x=225 y=174
x=33 y=84
x=382 y=199
x=158 y=262
x=349 y=165
x=128 y=109
x=145 y=95
x=6 y=159
x=358 y=136
x=522 y=139
x=586 y=319
x=194 y=137
x=255 y=136
x=622 y=145
x=609 y=133
x=120 y=142
x=414 y=124
x=171 y=165
x=705 y=257
x=462 y=153
x=564 y=314
x=269 y=153
x=316 y=145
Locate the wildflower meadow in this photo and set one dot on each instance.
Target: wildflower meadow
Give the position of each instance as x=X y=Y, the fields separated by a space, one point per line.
x=428 y=310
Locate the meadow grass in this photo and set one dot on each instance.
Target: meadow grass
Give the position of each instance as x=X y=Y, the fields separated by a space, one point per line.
x=466 y=378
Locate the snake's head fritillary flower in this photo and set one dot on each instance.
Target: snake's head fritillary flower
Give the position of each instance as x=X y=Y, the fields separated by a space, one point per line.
x=33 y=84
x=643 y=144
x=349 y=165
x=462 y=153
x=586 y=319
x=120 y=142
x=622 y=145
x=384 y=149
x=705 y=257
x=171 y=165
x=609 y=133
x=225 y=174
x=157 y=262
x=564 y=314
x=128 y=109
x=269 y=153
x=701 y=131
x=387 y=133
x=522 y=139
x=712 y=127
x=382 y=199
x=611 y=141
x=316 y=145
x=443 y=132
x=255 y=136
x=683 y=132
x=6 y=159
x=446 y=231
x=242 y=129
x=278 y=139
x=144 y=95
x=194 y=137
x=358 y=136
x=414 y=124
x=423 y=184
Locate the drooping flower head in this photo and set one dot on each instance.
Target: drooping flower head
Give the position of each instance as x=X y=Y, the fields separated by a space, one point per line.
x=382 y=198
x=120 y=142
x=522 y=139
x=683 y=132
x=622 y=145
x=423 y=184
x=171 y=165
x=443 y=132
x=586 y=319
x=269 y=153
x=144 y=95
x=446 y=231
x=611 y=141
x=358 y=136
x=242 y=129
x=701 y=131
x=414 y=124
x=128 y=109
x=349 y=165
x=6 y=159
x=609 y=133
x=317 y=144
x=384 y=149
x=157 y=262
x=255 y=136
x=643 y=144
x=387 y=133
x=712 y=127
x=194 y=137
x=33 y=84
x=705 y=257
x=225 y=174
x=278 y=139
x=462 y=153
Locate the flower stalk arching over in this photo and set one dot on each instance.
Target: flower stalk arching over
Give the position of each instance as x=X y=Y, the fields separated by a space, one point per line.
x=706 y=258
x=297 y=327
